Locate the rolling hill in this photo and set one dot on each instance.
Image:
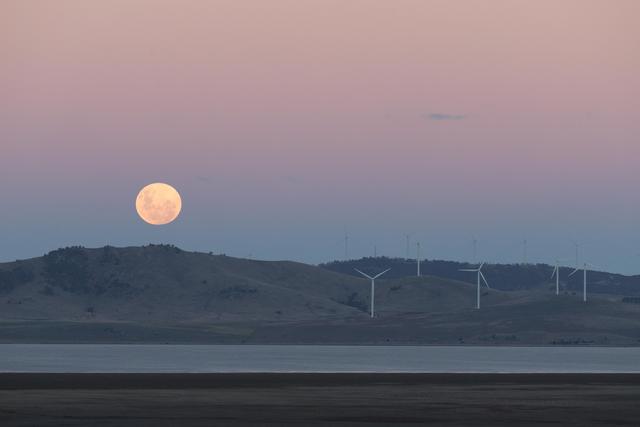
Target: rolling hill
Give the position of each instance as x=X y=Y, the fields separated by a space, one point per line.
x=160 y=293
x=507 y=277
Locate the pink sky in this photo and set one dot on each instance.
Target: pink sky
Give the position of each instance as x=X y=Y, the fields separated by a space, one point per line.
x=283 y=121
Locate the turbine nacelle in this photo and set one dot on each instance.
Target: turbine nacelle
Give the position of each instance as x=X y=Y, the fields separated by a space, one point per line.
x=556 y=269
x=479 y=271
x=374 y=277
x=584 y=278
x=373 y=287
x=584 y=267
x=480 y=277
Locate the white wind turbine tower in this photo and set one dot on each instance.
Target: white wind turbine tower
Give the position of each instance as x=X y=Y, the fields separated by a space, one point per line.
x=480 y=276
x=346 y=245
x=418 y=257
x=408 y=238
x=577 y=246
x=373 y=287
x=584 y=278
x=556 y=273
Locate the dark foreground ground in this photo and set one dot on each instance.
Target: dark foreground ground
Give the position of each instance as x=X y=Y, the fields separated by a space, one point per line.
x=318 y=399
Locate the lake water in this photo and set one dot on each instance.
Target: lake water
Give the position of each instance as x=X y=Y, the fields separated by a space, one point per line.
x=291 y=358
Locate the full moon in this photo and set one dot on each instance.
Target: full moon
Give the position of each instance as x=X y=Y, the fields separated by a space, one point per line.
x=158 y=204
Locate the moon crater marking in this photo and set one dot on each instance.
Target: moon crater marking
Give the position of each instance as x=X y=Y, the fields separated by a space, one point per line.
x=158 y=204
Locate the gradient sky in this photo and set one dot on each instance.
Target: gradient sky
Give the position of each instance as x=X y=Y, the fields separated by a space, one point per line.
x=285 y=122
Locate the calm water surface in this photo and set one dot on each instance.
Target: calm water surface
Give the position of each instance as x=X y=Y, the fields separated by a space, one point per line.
x=291 y=358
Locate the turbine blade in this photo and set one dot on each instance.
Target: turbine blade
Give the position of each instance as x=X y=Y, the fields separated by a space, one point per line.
x=555 y=270
x=364 y=274
x=380 y=274
x=484 y=280
x=466 y=269
x=481 y=265
x=574 y=272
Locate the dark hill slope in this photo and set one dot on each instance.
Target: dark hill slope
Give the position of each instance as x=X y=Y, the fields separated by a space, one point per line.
x=542 y=319
x=166 y=284
x=163 y=294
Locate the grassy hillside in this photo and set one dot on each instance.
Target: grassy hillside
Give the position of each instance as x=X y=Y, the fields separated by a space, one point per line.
x=166 y=284
x=160 y=293
x=506 y=277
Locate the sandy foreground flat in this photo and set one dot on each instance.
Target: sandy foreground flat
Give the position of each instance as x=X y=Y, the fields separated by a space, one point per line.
x=319 y=399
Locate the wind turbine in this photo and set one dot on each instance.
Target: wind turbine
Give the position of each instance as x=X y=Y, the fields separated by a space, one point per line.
x=480 y=275
x=407 y=237
x=418 y=257
x=584 y=279
x=577 y=246
x=373 y=287
x=556 y=273
x=346 y=245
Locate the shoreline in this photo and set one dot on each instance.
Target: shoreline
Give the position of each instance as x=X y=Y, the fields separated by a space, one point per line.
x=330 y=344
x=256 y=359
x=46 y=381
